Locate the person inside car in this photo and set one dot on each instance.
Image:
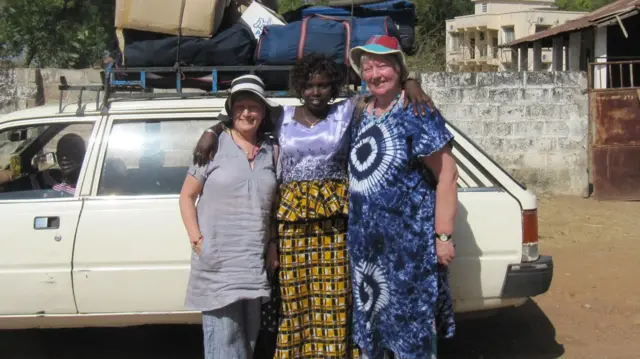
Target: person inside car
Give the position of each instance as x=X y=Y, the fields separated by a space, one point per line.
x=70 y=153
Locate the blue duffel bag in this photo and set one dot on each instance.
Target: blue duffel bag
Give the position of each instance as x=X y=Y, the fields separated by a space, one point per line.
x=284 y=44
x=402 y=12
x=363 y=28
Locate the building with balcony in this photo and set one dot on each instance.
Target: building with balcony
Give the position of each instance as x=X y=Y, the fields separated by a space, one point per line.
x=473 y=41
x=603 y=42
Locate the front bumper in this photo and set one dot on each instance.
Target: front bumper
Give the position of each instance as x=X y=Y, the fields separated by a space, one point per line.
x=528 y=279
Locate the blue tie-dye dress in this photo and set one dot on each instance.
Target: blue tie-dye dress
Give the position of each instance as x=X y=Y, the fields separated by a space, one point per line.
x=401 y=294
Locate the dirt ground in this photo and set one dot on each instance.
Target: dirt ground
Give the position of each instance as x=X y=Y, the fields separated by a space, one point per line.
x=591 y=311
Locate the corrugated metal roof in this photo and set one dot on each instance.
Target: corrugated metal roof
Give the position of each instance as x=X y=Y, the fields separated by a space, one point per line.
x=619 y=7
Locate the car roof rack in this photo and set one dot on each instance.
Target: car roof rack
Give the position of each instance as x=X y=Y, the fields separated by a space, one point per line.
x=122 y=83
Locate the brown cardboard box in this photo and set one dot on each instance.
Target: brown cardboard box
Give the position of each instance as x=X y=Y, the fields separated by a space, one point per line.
x=199 y=17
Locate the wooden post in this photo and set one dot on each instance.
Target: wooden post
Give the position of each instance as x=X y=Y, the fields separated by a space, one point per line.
x=575 y=48
x=523 y=63
x=556 y=57
x=537 y=56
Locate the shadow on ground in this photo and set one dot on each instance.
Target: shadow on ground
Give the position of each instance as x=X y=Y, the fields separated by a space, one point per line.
x=523 y=332
x=145 y=342
x=516 y=333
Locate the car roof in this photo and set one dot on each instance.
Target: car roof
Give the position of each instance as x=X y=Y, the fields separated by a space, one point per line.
x=153 y=105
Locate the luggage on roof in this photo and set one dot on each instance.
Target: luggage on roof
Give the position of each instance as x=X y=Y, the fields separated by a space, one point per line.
x=200 y=18
x=166 y=41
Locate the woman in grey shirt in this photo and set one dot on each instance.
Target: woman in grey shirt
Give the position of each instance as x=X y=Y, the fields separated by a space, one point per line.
x=229 y=228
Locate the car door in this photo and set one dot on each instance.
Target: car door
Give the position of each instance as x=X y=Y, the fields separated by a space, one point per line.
x=38 y=221
x=132 y=253
x=488 y=231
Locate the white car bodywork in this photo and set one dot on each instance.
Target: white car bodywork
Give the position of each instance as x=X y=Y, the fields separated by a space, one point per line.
x=124 y=260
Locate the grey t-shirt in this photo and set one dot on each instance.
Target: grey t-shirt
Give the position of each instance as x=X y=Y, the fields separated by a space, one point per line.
x=234 y=212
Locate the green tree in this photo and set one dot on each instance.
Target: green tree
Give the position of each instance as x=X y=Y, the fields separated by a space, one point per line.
x=56 y=33
x=581 y=5
x=430 y=31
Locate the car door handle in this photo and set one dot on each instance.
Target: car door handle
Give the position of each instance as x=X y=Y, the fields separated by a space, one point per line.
x=46 y=223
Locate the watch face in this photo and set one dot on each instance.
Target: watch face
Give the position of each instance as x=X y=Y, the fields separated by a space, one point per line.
x=444 y=237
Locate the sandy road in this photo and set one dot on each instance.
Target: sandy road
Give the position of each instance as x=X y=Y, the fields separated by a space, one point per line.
x=591 y=311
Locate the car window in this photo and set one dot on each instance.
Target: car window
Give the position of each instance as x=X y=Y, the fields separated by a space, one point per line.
x=42 y=161
x=149 y=157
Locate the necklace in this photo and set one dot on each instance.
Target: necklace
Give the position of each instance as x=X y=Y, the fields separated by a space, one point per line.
x=379 y=120
x=311 y=124
x=251 y=155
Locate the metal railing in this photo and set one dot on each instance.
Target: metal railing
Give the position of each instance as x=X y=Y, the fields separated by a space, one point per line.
x=140 y=82
x=614 y=74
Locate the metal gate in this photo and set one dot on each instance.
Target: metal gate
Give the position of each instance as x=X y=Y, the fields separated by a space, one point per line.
x=614 y=113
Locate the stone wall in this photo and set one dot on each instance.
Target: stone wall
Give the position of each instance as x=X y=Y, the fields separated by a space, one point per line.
x=534 y=124
x=22 y=88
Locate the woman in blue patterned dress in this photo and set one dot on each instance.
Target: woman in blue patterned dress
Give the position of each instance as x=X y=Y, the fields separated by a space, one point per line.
x=400 y=224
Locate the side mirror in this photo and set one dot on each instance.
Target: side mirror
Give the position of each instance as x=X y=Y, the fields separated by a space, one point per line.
x=18 y=136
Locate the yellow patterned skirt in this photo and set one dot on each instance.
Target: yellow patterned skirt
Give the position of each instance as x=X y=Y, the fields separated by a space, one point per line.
x=315 y=276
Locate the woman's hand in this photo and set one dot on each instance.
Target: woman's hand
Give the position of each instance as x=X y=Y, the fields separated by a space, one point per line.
x=208 y=144
x=196 y=244
x=446 y=252
x=443 y=165
x=418 y=98
x=272 y=258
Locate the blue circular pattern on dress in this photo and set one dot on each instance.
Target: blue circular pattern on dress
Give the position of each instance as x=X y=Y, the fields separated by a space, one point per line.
x=371 y=157
x=371 y=291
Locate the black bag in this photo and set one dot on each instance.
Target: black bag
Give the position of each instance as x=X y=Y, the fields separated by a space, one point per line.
x=233 y=46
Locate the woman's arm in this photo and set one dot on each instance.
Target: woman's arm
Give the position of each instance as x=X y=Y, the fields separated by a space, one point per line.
x=443 y=166
x=207 y=145
x=188 y=195
x=5 y=176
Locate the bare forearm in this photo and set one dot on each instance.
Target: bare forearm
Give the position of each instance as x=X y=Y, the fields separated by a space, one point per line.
x=5 y=176
x=446 y=206
x=189 y=216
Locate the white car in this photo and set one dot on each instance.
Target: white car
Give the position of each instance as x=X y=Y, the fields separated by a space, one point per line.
x=116 y=253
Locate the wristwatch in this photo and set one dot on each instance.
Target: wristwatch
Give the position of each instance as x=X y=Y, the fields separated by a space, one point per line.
x=442 y=237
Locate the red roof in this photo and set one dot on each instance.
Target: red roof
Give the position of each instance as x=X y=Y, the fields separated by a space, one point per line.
x=598 y=16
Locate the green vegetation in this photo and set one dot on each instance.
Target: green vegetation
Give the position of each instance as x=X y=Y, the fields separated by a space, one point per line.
x=430 y=32
x=582 y=5
x=55 y=33
x=75 y=33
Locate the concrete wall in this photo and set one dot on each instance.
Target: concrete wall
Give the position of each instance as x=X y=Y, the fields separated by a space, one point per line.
x=22 y=88
x=533 y=124
x=14 y=90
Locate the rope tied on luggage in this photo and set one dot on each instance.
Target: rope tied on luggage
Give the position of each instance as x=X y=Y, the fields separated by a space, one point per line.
x=179 y=75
